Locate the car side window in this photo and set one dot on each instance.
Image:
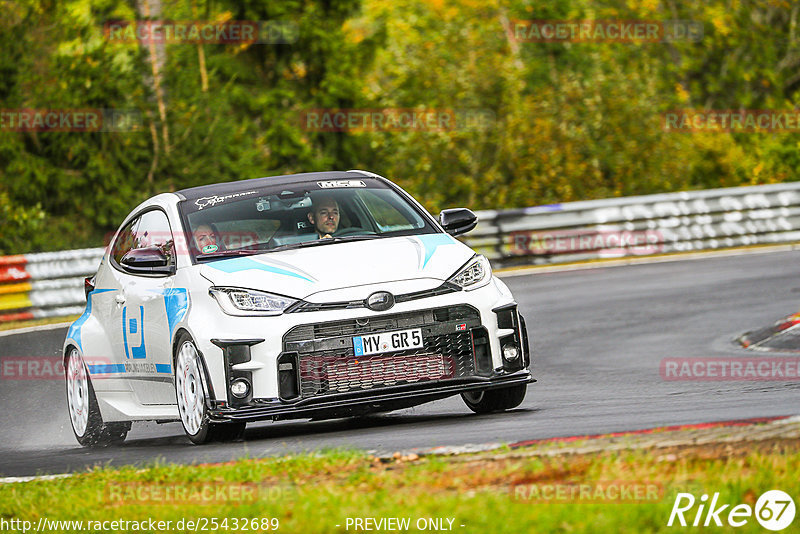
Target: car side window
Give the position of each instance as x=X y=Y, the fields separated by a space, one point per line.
x=125 y=240
x=151 y=229
x=154 y=231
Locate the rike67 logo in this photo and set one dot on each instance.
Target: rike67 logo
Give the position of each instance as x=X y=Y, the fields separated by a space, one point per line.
x=774 y=510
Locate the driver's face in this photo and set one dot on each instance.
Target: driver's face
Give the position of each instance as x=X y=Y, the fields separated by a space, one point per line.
x=325 y=216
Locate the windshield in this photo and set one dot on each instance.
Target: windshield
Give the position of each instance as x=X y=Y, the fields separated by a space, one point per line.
x=297 y=215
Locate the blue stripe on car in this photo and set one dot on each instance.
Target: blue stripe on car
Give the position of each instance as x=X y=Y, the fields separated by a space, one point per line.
x=431 y=242
x=176 y=300
x=106 y=368
x=115 y=368
x=75 y=328
x=236 y=265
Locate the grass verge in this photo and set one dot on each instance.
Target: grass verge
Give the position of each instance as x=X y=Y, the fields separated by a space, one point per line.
x=503 y=491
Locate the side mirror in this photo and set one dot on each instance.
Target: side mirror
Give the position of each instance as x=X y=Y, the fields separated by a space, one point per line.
x=458 y=221
x=88 y=284
x=147 y=260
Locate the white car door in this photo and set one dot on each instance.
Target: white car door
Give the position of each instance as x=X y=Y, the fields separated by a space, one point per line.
x=142 y=334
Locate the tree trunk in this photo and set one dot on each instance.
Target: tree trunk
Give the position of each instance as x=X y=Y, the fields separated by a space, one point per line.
x=149 y=10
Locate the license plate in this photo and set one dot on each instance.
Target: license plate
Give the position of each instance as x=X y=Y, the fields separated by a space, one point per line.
x=387 y=342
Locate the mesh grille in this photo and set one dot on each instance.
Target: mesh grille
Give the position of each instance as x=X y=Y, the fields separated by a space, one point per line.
x=328 y=364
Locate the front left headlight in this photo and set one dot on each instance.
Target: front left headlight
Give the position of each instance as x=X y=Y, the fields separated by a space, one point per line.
x=476 y=273
x=239 y=301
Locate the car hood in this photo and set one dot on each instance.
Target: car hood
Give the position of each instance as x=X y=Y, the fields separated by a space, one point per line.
x=422 y=260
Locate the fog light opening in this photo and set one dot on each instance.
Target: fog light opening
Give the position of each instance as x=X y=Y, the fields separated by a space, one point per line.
x=510 y=352
x=240 y=388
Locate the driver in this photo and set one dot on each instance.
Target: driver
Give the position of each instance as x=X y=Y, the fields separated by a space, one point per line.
x=324 y=215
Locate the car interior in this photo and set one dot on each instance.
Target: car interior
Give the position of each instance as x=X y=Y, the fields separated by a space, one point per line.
x=270 y=223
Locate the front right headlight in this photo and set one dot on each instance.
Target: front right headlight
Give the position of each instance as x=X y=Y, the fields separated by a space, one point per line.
x=240 y=301
x=476 y=273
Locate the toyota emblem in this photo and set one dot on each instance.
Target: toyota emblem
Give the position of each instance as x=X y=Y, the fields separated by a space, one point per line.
x=380 y=301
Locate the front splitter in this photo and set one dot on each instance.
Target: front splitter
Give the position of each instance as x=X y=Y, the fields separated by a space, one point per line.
x=384 y=399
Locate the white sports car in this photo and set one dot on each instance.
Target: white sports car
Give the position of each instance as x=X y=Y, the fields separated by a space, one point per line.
x=313 y=295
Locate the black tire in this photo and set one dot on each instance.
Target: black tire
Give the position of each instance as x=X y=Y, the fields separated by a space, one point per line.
x=116 y=432
x=495 y=400
x=191 y=392
x=80 y=392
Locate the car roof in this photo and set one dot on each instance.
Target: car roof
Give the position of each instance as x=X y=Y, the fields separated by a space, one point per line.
x=238 y=186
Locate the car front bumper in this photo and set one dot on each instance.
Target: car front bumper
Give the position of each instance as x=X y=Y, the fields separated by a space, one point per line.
x=362 y=402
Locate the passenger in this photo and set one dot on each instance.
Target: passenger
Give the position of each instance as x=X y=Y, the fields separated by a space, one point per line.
x=205 y=239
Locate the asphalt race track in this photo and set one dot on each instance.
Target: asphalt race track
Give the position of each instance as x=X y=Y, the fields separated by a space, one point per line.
x=599 y=336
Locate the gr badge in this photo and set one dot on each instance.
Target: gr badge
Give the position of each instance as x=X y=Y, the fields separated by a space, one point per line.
x=328 y=184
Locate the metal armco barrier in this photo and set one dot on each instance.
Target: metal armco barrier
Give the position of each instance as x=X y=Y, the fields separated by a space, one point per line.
x=47 y=284
x=639 y=226
x=51 y=284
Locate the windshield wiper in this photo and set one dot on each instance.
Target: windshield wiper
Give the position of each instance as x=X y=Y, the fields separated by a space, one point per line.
x=228 y=254
x=326 y=241
x=353 y=238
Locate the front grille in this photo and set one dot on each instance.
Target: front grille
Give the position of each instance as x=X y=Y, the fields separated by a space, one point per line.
x=303 y=306
x=328 y=363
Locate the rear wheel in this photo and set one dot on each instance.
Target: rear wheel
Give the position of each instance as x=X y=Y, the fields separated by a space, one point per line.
x=495 y=400
x=191 y=392
x=84 y=412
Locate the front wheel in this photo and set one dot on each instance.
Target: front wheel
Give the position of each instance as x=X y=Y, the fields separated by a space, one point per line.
x=495 y=400
x=84 y=412
x=191 y=392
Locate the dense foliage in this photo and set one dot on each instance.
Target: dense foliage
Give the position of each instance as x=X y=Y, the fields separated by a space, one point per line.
x=541 y=122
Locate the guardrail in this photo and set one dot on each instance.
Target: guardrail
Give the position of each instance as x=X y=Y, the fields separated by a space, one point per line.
x=638 y=226
x=47 y=284
x=50 y=284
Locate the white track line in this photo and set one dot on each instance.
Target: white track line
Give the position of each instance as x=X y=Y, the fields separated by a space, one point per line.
x=15 y=480
x=39 y=328
x=634 y=260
